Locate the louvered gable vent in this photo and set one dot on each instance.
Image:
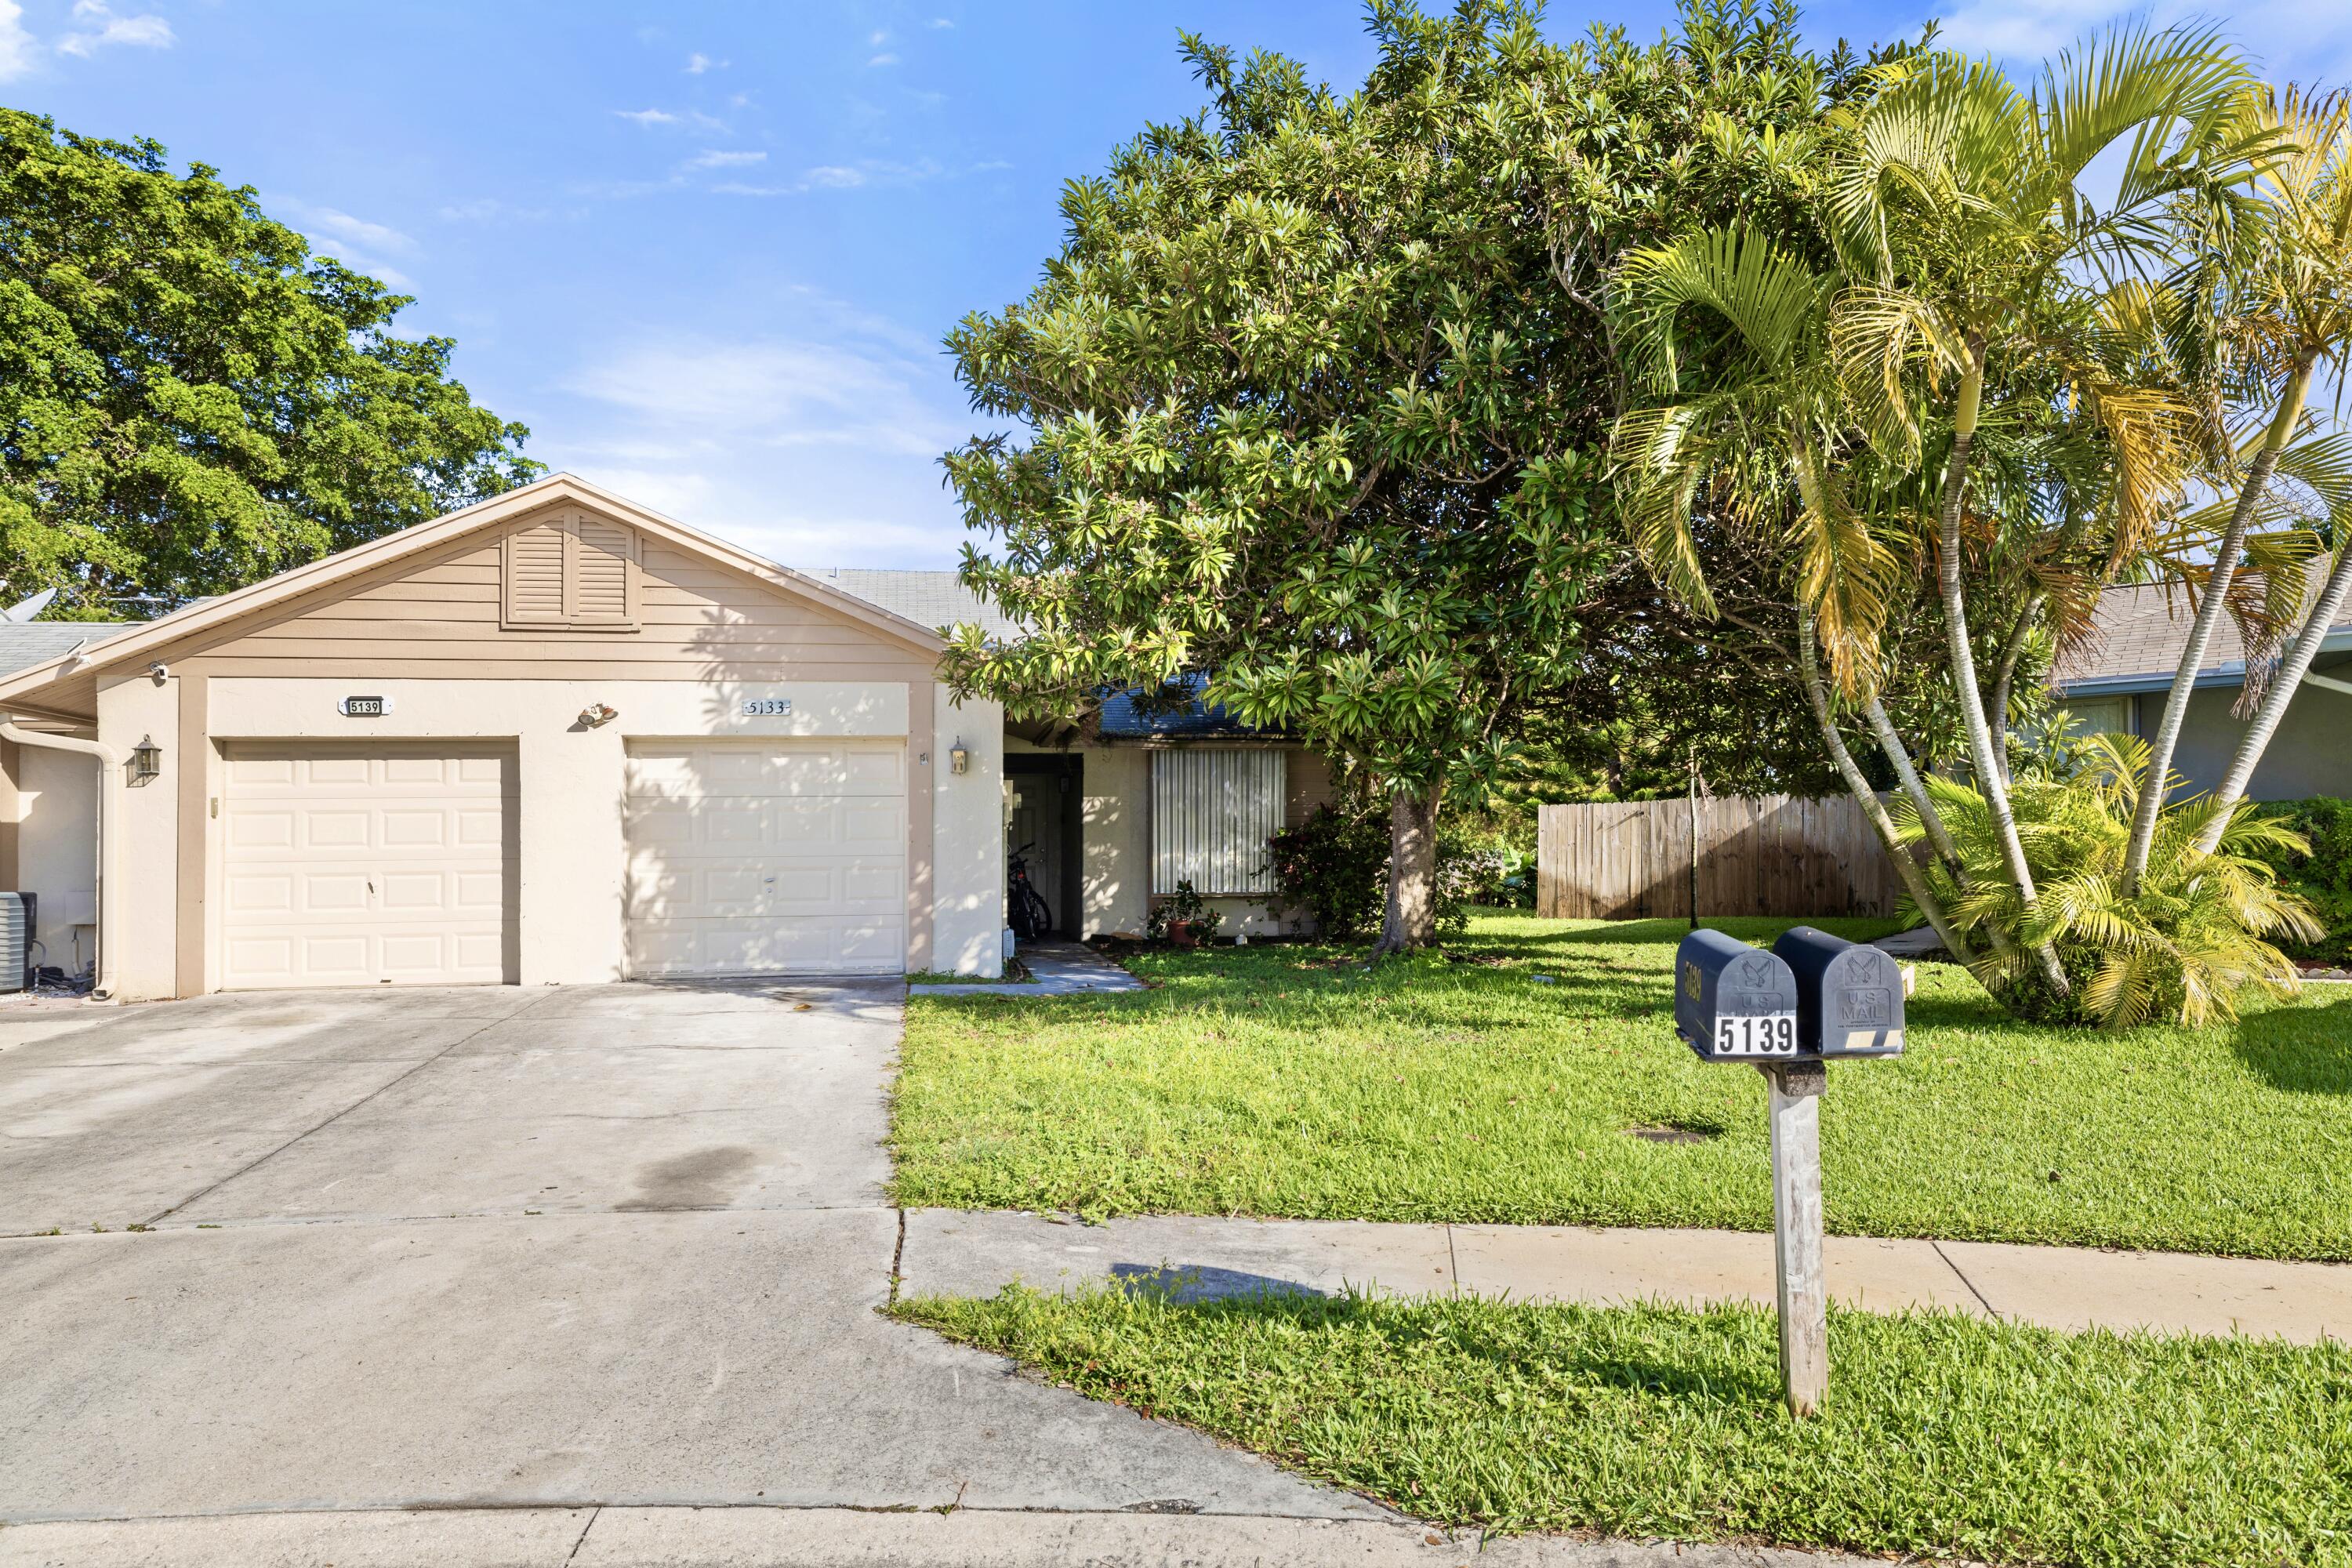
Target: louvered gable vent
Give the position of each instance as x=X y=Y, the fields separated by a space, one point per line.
x=576 y=570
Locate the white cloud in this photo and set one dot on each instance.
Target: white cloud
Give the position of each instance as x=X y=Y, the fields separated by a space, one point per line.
x=875 y=171
x=16 y=46
x=883 y=60
x=941 y=22
x=814 y=445
x=2287 y=38
x=877 y=38
x=490 y=209
x=356 y=242
x=357 y=231
x=711 y=158
x=650 y=118
x=147 y=31
x=695 y=64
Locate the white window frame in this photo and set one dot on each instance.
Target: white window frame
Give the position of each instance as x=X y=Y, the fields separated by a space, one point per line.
x=1212 y=809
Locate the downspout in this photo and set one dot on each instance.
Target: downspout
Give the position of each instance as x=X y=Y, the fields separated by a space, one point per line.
x=110 y=784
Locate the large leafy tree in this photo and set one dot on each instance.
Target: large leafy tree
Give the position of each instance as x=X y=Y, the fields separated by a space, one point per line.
x=189 y=399
x=1312 y=402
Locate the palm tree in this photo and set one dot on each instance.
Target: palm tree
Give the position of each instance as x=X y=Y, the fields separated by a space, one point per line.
x=1957 y=212
x=2296 y=294
x=1748 y=320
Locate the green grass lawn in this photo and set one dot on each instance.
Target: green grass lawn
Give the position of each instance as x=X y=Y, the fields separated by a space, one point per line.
x=1500 y=1085
x=1942 y=1434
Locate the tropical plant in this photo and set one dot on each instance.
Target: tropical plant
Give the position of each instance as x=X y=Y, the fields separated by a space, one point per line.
x=190 y=399
x=2292 y=285
x=2183 y=945
x=1762 y=429
x=1975 y=261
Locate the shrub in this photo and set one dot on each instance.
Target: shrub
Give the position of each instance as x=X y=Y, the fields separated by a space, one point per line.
x=2323 y=878
x=2182 y=948
x=1335 y=866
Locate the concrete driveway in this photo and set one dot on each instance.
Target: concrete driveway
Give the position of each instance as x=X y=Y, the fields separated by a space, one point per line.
x=570 y=1249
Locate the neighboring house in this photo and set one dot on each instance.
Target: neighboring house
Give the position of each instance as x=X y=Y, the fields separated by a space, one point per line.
x=556 y=737
x=48 y=806
x=2119 y=680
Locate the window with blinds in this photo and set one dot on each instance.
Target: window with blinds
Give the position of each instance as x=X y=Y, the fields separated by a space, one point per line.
x=576 y=571
x=1212 y=809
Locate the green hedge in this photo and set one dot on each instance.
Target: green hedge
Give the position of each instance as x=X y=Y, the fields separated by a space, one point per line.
x=2323 y=876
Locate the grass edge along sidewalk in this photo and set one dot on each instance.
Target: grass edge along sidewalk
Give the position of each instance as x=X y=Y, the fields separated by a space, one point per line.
x=1943 y=1435
x=1499 y=1084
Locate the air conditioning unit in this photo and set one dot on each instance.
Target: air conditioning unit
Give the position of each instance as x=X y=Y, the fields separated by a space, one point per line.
x=15 y=941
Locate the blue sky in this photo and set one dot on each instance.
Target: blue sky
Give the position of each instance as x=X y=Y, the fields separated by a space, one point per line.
x=705 y=251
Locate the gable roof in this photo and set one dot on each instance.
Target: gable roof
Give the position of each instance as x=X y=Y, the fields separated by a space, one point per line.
x=2138 y=634
x=927 y=599
x=23 y=643
x=143 y=639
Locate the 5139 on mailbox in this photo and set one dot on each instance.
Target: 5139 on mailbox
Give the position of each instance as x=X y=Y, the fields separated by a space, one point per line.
x=1734 y=1002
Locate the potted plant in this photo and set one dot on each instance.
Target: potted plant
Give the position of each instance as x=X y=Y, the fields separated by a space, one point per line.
x=1183 y=918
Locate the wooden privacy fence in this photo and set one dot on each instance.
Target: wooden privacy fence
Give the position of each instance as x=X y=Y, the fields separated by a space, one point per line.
x=1760 y=855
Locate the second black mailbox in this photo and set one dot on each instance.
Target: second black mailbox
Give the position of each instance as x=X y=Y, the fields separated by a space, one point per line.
x=1849 y=995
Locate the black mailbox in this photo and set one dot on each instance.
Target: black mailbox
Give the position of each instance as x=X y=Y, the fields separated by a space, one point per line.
x=1734 y=1002
x=1848 y=995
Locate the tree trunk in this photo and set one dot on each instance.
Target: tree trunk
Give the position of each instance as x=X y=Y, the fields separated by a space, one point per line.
x=2004 y=678
x=1915 y=880
x=2201 y=631
x=1993 y=777
x=1908 y=775
x=1412 y=918
x=2292 y=667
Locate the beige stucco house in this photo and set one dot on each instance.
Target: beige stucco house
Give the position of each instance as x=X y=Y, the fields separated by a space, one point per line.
x=558 y=738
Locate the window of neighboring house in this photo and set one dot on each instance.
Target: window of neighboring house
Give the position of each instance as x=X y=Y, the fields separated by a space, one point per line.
x=2100 y=715
x=574 y=570
x=1212 y=809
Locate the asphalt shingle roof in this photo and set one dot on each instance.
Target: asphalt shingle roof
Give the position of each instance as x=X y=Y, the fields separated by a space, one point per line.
x=26 y=644
x=2139 y=632
x=933 y=599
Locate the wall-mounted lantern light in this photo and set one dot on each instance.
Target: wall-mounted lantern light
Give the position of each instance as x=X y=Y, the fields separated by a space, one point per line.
x=145 y=763
x=960 y=758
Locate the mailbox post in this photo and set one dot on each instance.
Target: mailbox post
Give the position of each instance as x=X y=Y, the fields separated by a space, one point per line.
x=1793 y=1096
x=1812 y=996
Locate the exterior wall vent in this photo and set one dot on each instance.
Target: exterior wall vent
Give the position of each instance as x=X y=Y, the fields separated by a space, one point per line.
x=15 y=941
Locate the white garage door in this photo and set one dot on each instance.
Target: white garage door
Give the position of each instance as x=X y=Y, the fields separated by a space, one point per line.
x=355 y=865
x=767 y=857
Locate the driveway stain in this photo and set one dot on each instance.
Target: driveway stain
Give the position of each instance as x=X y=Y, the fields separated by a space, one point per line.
x=708 y=1178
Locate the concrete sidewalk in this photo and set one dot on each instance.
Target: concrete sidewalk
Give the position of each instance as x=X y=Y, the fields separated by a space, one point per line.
x=757 y=1537
x=954 y=1253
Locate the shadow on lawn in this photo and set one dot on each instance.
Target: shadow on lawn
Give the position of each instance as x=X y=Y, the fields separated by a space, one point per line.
x=1719 y=1372
x=2305 y=1050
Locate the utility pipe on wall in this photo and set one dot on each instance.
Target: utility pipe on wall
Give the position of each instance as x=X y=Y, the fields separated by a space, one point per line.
x=109 y=786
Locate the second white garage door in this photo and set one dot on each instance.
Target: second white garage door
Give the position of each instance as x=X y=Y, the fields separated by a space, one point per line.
x=761 y=858
x=359 y=865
